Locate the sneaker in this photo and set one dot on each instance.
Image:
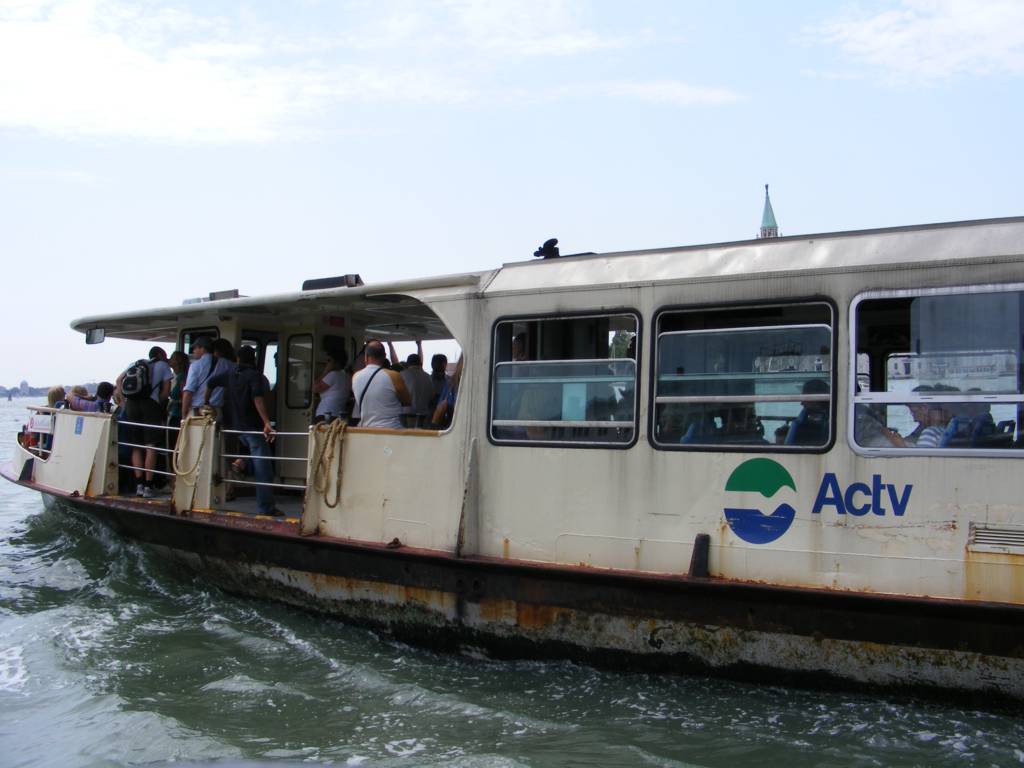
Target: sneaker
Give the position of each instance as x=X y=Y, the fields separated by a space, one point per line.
x=140 y=490
x=148 y=492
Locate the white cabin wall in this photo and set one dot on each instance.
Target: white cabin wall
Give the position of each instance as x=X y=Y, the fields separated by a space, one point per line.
x=231 y=329
x=81 y=456
x=406 y=485
x=641 y=508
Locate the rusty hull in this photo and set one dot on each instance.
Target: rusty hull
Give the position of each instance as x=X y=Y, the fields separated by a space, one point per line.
x=631 y=620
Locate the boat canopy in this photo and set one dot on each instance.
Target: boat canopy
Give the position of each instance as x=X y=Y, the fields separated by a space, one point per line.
x=394 y=310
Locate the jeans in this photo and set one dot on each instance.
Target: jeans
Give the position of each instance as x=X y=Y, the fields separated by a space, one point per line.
x=262 y=469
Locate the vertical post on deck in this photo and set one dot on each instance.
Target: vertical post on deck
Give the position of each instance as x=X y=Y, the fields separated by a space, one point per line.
x=468 y=523
x=103 y=479
x=194 y=458
x=310 y=521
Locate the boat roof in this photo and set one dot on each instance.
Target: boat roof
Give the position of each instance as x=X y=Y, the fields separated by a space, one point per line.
x=402 y=302
x=830 y=251
x=398 y=306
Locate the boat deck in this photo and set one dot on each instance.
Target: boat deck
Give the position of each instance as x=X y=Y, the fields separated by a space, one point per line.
x=290 y=505
x=239 y=507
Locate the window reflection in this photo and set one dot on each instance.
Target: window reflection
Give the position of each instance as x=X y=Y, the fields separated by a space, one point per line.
x=941 y=370
x=569 y=380
x=746 y=377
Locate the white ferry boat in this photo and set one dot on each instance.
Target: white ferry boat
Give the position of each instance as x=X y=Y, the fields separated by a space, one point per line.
x=791 y=459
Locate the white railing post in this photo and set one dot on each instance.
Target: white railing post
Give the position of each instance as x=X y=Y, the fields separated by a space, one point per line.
x=323 y=473
x=193 y=465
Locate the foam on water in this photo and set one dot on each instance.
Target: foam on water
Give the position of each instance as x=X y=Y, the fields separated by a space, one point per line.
x=64 y=574
x=242 y=684
x=13 y=672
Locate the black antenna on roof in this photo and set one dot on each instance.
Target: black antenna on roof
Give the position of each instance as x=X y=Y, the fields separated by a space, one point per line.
x=549 y=250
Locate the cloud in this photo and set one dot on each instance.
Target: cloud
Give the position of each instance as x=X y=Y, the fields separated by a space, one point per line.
x=51 y=175
x=155 y=71
x=405 y=87
x=551 y=28
x=670 y=92
x=499 y=28
x=95 y=68
x=932 y=40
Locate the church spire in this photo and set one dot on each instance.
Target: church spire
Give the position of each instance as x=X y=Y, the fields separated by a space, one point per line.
x=768 y=226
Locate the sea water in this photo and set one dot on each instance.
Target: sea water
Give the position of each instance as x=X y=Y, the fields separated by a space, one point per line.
x=109 y=656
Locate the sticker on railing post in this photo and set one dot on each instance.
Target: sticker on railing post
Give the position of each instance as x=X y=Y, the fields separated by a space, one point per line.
x=40 y=422
x=79 y=423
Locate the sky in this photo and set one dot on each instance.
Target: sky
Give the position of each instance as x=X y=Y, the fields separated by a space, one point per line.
x=154 y=151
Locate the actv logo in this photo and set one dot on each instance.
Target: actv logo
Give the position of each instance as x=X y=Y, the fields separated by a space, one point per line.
x=766 y=477
x=769 y=478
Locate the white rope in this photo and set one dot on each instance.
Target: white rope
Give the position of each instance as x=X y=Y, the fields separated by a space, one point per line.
x=335 y=432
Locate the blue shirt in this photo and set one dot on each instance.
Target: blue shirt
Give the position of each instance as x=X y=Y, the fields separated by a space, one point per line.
x=199 y=375
x=222 y=368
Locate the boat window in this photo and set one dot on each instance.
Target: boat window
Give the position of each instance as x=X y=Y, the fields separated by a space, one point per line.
x=268 y=363
x=939 y=369
x=187 y=336
x=568 y=380
x=300 y=371
x=265 y=344
x=751 y=378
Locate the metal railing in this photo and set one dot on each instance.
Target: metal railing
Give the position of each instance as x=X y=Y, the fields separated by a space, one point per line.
x=42 y=452
x=121 y=422
x=250 y=457
x=38 y=450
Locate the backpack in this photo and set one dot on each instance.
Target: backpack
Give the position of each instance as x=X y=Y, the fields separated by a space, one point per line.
x=135 y=384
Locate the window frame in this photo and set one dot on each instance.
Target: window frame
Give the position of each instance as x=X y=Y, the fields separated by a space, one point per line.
x=901 y=398
x=212 y=331
x=772 y=448
x=287 y=370
x=576 y=315
x=263 y=339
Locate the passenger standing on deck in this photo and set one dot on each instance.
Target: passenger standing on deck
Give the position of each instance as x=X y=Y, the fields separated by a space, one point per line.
x=421 y=390
x=193 y=396
x=334 y=387
x=206 y=365
x=245 y=409
x=224 y=361
x=395 y=364
x=224 y=350
x=98 y=404
x=444 y=411
x=145 y=413
x=380 y=393
x=438 y=377
x=179 y=366
x=55 y=398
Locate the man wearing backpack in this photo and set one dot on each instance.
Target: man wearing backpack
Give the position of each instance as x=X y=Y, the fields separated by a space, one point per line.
x=145 y=384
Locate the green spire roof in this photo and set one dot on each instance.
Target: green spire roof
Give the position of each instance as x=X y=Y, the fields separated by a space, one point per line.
x=768 y=217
